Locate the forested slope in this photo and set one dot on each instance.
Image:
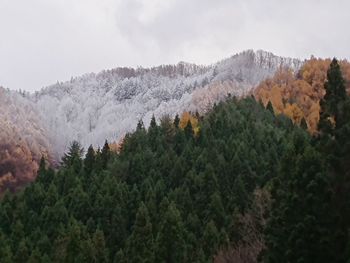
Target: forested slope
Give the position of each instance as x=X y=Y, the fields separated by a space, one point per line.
x=106 y=105
x=247 y=186
x=168 y=196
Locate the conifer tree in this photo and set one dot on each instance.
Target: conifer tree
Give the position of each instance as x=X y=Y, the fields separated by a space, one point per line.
x=89 y=160
x=140 y=245
x=99 y=244
x=45 y=176
x=269 y=107
x=210 y=239
x=5 y=249
x=153 y=134
x=171 y=246
x=334 y=132
x=299 y=227
x=332 y=100
x=140 y=126
x=22 y=253
x=105 y=154
x=75 y=152
x=176 y=121
x=189 y=130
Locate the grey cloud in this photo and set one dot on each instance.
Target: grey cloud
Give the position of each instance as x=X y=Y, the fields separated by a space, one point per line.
x=45 y=41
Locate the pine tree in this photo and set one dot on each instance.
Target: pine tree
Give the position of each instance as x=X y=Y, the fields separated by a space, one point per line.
x=171 y=245
x=189 y=130
x=140 y=247
x=240 y=194
x=216 y=210
x=6 y=255
x=42 y=170
x=299 y=227
x=75 y=152
x=153 y=133
x=140 y=126
x=22 y=253
x=269 y=107
x=210 y=239
x=330 y=103
x=153 y=123
x=176 y=121
x=89 y=160
x=105 y=155
x=99 y=246
x=334 y=132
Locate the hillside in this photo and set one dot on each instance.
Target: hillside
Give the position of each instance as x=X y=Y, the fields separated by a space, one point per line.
x=243 y=185
x=107 y=105
x=168 y=196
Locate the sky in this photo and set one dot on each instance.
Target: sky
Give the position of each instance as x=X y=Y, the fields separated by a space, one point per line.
x=45 y=41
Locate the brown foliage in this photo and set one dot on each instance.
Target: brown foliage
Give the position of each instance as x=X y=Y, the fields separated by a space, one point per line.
x=22 y=142
x=251 y=226
x=17 y=166
x=185 y=117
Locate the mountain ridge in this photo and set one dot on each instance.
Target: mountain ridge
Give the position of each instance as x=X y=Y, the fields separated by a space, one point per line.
x=107 y=105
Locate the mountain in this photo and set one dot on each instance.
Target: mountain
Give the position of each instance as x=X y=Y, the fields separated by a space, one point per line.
x=167 y=196
x=107 y=105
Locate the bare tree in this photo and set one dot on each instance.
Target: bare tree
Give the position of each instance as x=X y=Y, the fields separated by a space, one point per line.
x=252 y=224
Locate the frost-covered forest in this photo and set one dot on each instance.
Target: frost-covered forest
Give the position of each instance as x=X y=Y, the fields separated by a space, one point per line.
x=95 y=107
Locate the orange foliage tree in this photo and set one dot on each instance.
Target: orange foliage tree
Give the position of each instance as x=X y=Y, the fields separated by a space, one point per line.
x=187 y=116
x=297 y=95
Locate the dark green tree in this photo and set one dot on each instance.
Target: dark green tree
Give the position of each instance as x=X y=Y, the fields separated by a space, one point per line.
x=269 y=107
x=99 y=246
x=171 y=245
x=140 y=245
x=89 y=160
x=210 y=239
x=22 y=253
x=176 y=121
x=332 y=100
x=299 y=226
x=334 y=131
x=105 y=154
x=74 y=153
x=189 y=130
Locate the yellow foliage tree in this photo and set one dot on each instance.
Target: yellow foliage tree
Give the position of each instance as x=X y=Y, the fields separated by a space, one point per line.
x=298 y=95
x=185 y=117
x=293 y=112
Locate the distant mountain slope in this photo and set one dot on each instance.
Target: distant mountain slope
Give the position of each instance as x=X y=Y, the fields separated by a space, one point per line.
x=107 y=105
x=23 y=140
x=95 y=107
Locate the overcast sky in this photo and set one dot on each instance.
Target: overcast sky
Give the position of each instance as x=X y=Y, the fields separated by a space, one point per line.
x=44 y=41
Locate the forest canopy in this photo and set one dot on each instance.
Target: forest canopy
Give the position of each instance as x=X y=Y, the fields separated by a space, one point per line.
x=238 y=184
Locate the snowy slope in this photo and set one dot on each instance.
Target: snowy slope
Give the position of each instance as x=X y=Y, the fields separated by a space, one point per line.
x=95 y=107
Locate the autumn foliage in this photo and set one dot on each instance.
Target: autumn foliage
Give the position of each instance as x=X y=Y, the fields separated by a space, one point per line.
x=297 y=95
x=185 y=118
